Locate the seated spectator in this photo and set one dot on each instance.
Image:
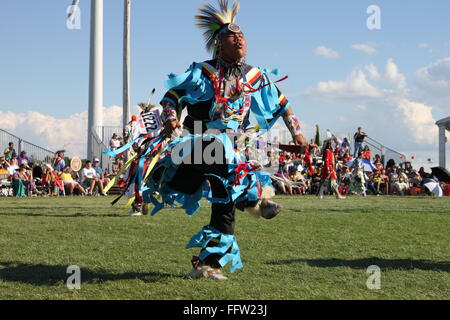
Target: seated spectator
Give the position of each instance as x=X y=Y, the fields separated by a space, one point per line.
x=346 y=157
x=377 y=162
x=316 y=179
x=422 y=173
x=23 y=159
x=100 y=173
x=5 y=177
x=10 y=152
x=30 y=176
x=366 y=153
x=391 y=166
x=384 y=185
x=117 y=163
x=22 y=177
x=90 y=180
x=281 y=180
x=4 y=165
x=298 y=179
x=374 y=182
x=51 y=182
x=414 y=177
x=59 y=163
x=409 y=171
x=13 y=165
x=378 y=181
x=399 y=182
x=69 y=183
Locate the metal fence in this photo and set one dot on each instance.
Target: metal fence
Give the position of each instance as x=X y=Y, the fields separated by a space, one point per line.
x=106 y=133
x=34 y=152
x=385 y=152
x=101 y=137
x=98 y=146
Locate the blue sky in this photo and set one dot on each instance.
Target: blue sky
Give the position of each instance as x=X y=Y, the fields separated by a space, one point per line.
x=44 y=65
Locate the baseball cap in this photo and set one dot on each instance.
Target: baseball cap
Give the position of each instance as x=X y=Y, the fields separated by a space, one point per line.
x=96 y=160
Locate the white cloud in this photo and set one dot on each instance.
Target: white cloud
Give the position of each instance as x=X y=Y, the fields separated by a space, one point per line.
x=435 y=76
x=423 y=45
x=326 y=52
x=393 y=75
x=419 y=118
x=52 y=133
x=388 y=98
x=355 y=86
x=368 y=47
x=373 y=72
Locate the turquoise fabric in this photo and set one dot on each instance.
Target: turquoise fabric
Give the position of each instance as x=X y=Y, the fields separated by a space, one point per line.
x=264 y=103
x=247 y=189
x=226 y=241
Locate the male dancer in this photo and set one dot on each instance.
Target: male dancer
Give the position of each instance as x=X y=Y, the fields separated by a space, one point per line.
x=219 y=95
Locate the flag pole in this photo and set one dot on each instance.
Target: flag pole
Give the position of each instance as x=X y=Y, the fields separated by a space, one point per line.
x=126 y=115
x=126 y=63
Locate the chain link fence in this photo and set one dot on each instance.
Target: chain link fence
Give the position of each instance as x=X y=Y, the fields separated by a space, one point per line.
x=98 y=146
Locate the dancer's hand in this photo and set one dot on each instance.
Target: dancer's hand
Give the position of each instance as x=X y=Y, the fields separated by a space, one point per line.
x=300 y=140
x=171 y=127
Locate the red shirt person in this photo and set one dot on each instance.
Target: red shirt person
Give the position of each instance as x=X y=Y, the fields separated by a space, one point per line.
x=328 y=171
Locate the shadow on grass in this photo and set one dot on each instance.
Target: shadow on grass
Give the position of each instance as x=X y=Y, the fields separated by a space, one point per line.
x=48 y=275
x=74 y=215
x=387 y=264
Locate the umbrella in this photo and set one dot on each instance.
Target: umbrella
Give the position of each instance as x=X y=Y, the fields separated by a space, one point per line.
x=441 y=173
x=433 y=187
x=365 y=164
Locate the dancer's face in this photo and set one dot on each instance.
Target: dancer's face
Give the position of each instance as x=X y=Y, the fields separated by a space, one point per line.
x=234 y=47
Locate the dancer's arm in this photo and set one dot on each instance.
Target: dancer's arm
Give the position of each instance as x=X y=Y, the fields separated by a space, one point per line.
x=293 y=126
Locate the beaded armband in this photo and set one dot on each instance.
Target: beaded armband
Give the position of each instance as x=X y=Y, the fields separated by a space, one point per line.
x=292 y=124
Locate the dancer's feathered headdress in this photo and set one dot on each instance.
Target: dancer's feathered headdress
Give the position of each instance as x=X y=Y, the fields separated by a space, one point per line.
x=215 y=22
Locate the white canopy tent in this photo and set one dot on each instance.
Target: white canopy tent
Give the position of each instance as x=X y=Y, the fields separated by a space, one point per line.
x=443 y=125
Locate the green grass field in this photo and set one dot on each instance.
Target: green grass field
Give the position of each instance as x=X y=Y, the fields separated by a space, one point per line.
x=313 y=250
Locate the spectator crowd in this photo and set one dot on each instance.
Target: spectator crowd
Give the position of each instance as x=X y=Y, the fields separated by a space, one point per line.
x=21 y=176
x=355 y=170
x=358 y=171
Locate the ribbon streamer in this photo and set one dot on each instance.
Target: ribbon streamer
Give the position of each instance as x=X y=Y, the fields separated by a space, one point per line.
x=121 y=171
